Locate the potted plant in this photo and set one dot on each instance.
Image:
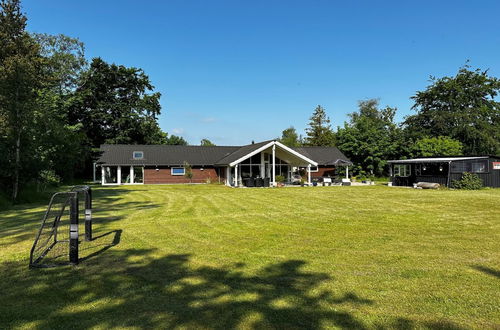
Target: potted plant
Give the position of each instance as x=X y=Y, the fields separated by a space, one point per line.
x=280 y=179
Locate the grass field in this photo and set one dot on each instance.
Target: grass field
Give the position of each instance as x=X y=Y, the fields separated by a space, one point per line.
x=216 y=257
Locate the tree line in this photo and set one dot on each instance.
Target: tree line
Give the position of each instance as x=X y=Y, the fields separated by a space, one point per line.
x=57 y=108
x=454 y=116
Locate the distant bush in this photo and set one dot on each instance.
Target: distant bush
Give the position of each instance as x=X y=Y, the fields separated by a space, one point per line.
x=48 y=178
x=469 y=181
x=280 y=178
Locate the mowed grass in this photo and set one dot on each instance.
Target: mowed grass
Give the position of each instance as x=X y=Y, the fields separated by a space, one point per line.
x=201 y=256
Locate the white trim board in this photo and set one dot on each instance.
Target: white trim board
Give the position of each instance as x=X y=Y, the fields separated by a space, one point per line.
x=270 y=144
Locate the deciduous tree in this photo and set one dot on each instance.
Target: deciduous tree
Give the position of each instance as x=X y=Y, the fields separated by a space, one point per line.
x=116 y=104
x=206 y=143
x=436 y=146
x=370 y=138
x=20 y=76
x=290 y=138
x=463 y=107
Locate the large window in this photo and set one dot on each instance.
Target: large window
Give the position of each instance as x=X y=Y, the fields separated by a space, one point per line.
x=177 y=171
x=110 y=174
x=138 y=174
x=473 y=166
x=402 y=170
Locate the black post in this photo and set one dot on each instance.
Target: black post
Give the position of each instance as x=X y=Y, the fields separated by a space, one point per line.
x=88 y=214
x=73 y=229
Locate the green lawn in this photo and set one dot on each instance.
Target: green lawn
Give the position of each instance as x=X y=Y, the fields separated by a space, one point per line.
x=215 y=257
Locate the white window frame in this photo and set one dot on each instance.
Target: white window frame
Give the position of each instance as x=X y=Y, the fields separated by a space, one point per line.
x=402 y=170
x=142 y=154
x=314 y=170
x=176 y=168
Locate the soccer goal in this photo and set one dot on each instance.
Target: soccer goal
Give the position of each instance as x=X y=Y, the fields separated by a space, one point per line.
x=58 y=238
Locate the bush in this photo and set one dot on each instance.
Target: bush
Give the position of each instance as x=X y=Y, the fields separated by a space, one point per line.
x=280 y=178
x=468 y=181
x=48 y=178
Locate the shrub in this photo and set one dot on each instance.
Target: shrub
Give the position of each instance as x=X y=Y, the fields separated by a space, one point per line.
x=469 y=181
x=188 y=172
x=280 y=178
x=48 y=178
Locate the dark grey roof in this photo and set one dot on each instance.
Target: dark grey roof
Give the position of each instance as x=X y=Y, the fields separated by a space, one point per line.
x=242 y=151
x=120 y=154
x=436 y=159
x=167 y=155
x=324 y=155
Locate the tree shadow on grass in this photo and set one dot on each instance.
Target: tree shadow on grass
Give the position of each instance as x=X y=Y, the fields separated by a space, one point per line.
x=133 y=288
x=23 y=222
x=487 y=270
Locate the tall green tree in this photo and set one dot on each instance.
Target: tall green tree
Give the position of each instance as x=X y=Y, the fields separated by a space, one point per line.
x=20 y=76
x=290 y=138
x=436 y=146
x=463 y=107
x=370 y=138
x=206 y=143
x=175 y=140
x=319 y=132
x=116 y=104
x=63 y=147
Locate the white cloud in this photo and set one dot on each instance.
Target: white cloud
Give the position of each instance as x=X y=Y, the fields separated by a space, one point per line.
x=177 y=131
x=208 y=120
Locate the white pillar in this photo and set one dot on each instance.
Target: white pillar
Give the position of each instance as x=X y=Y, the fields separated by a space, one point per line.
x=132 y=174
x=273 y=182
x=236 y=176
x=103 y=175
x=119 y=175
x=347 y=172
x=262 y=165
x=94 y=173
x=309 y=174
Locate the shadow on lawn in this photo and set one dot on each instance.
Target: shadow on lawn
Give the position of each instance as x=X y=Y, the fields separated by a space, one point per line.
x=22 y=222
x=131 y=288
x=487 y=270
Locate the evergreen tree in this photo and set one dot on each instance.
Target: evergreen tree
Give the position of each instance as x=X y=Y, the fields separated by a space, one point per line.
x=319 y=132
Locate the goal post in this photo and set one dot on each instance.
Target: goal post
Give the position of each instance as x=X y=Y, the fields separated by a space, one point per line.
x=58 y=237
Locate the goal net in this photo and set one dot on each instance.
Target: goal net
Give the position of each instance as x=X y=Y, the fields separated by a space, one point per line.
x=57 y=240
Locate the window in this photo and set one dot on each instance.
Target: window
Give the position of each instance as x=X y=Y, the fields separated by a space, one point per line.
x=314 y=169
x=480 y=166
x=138 y=155
x=177 y=171
x=473 y=166
x=402 y=170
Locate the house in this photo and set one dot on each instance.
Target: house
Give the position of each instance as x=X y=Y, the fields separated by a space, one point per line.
x=444 y=170
x=163 y=164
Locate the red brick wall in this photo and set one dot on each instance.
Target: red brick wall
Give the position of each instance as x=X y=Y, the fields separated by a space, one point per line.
x=152 y=176
x=324 y=171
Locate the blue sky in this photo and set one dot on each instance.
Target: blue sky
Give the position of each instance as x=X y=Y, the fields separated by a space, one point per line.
x=237 y=71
